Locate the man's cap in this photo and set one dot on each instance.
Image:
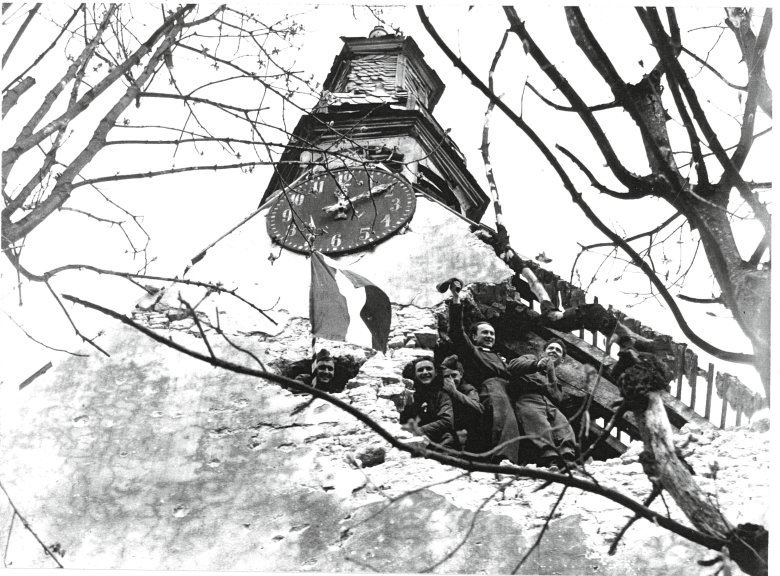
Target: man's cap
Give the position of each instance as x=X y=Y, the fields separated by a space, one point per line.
x=451 y=362
x=444 y=286
x=322 y=356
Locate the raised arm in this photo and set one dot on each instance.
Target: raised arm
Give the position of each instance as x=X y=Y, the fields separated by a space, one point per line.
x=467 y=396
x=456 y=332
x=527 y=364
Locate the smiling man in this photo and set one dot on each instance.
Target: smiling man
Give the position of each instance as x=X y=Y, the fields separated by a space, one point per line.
x=488 y=373
x=323 y=372
x=428 y=405
x=551 y=439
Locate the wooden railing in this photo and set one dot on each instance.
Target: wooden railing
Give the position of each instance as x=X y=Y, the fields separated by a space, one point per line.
x=702 y=395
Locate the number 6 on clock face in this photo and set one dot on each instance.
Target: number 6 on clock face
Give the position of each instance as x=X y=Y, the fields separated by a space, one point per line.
x=343 y=211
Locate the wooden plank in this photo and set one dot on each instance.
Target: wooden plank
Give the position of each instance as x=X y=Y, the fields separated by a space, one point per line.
x=681 y=348
x=679 y=414
x=724 y=408
x=710 y=382
x=572 y=376
x=615 y=445
x=693 y=377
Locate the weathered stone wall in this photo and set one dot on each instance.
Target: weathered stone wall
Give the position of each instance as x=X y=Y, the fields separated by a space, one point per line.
x=152 y=460
x=407 y=267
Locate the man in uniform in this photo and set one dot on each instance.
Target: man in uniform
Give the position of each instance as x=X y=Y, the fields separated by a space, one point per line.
x=488 y=372
x=429 y=405
x=468 y=410
x=323 y=371
x=551 y=441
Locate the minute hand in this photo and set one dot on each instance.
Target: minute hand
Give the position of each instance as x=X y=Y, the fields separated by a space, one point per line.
x=344 y=203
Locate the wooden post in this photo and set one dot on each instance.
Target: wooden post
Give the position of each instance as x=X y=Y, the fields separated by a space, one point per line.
x=595 y=332
x=725 y=402
x=739 y=416
x=710 y=381
x=680 y=368
x=693 y=375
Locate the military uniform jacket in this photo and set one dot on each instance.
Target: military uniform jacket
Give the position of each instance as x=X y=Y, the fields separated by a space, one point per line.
x=478 y=364
x=433 y=407
x=528 y=379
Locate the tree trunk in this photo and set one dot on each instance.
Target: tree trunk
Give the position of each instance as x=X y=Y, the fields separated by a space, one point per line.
x=641 y=378
x=663 y=466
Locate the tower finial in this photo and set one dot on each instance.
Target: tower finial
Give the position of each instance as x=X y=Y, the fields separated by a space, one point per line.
x=377 y=32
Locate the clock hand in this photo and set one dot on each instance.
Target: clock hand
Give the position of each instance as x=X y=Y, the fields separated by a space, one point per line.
x=343 y=203
x=340 y=205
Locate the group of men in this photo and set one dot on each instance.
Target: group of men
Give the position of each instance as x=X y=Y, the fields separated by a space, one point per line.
x=491 y=410
x=477 y=403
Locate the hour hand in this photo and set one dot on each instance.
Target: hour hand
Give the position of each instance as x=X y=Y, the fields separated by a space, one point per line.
x=343 y=203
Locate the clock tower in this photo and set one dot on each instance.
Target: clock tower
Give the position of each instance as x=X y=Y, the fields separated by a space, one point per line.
x=377 y=108
x=369 y=178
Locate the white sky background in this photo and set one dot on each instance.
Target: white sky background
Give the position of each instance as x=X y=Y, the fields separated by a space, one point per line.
x=184 y=213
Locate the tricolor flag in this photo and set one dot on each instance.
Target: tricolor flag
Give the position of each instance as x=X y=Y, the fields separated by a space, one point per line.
x=338 y=297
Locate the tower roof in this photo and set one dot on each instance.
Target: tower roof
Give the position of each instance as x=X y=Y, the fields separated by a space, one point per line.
x=387 y=64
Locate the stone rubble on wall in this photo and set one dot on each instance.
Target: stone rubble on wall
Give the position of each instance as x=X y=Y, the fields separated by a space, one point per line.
x=344 y=459
x=740 y=485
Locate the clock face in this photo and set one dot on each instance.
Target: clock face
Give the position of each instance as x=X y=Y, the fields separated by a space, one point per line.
x=341 y=211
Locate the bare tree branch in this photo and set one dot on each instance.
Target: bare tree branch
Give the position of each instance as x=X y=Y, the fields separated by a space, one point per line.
x=654 y=493
x=20 y=32
x=541 y=532
x=576 y=197
x=31 y=337
x=561 y=108
x=29 y=528
x=520 y=471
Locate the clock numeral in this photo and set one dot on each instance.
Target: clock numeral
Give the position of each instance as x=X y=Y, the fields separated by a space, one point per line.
x=317 y=187
x=335 y=241
x=386 y=220
x=296 y=199
x=344 y=178
x=287 y=215
x=395 y=204
x=365 y=233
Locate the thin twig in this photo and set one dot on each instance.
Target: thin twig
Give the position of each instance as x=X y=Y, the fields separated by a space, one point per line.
x=198 y=324
x=89 y=341
x=28 y=528
x=31 y=337
x=656 y=491
x=541 y=532
x=691 y=534
x=470 y=529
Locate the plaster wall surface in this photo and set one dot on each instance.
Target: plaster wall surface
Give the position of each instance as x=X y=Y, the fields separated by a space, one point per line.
x=437 y=245
x=152 y=460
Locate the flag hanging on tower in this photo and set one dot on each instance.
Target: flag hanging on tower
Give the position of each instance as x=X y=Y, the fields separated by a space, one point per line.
x=346 y=306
